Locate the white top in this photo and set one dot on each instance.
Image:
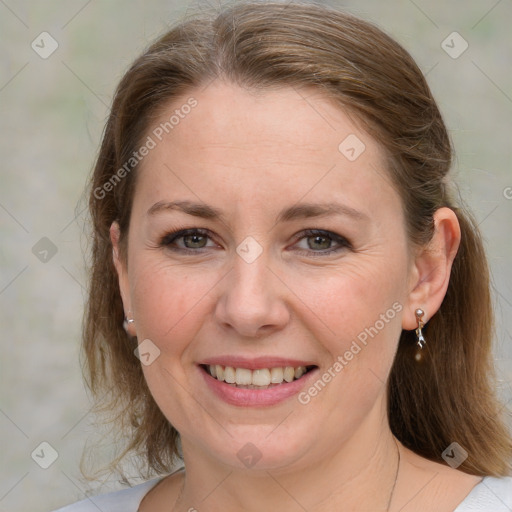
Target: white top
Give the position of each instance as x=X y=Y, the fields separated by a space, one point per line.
x=125 y=500
x=490 y=495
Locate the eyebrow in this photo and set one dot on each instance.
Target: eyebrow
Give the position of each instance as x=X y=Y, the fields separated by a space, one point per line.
x=196 y=209
x=308 y=210
x=298 y=211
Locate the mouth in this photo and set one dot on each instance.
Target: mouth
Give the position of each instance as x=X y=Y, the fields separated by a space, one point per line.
x=258 y=378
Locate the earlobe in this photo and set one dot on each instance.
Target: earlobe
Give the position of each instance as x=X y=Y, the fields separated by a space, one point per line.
x=431 y=269
x=124 y=287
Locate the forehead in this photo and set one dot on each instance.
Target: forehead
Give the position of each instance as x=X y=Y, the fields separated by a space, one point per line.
x=266 y=147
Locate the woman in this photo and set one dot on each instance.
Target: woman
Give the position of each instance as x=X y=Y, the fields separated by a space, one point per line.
x=276 y=240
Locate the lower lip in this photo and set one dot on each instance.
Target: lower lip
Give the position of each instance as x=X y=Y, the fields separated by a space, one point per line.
x=256 y=397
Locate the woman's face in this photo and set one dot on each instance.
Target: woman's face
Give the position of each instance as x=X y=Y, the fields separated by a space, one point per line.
x=294 y=255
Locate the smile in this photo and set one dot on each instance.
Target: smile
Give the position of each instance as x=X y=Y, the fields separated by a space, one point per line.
x=261 y=378
x=257 y=387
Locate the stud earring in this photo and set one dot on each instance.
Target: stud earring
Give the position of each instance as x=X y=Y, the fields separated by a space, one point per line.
x=127 y=322
x=419 y=333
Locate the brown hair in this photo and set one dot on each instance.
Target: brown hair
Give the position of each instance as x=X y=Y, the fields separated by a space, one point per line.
x=447 y=397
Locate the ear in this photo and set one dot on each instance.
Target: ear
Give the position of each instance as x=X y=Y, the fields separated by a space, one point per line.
x=431 y=269
x=122 y=275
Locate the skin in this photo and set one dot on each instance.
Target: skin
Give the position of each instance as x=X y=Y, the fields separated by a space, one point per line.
x=252 y=155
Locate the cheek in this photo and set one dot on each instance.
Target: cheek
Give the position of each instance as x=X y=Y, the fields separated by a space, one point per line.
x=357 y=310
x=169 y=302
x=357 y=318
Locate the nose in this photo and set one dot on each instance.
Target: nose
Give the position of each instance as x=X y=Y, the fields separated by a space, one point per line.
x=252 y=302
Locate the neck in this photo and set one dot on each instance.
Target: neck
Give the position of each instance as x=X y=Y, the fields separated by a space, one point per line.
x=359 y=474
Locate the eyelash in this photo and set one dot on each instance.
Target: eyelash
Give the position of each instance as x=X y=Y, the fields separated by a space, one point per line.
x=342 y=243
x=170 y=238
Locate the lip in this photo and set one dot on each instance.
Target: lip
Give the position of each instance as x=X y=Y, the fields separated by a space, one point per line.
x=255 y=363
x=257 y=397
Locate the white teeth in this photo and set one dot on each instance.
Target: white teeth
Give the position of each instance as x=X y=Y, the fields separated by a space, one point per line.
x=276 y=375
x=299 y=372
x=289 y=373
x=243 y=376
x=262 y=377
x=229 y=375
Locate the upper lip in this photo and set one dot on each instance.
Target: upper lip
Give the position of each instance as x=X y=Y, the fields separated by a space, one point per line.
x=255 y=363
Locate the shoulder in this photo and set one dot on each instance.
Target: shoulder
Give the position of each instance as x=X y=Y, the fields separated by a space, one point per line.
x=125 y=500
x=490 y=495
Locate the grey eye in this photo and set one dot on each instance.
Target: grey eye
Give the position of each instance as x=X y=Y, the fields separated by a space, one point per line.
x=319 y=242
x=195 y=241
x=187 y=239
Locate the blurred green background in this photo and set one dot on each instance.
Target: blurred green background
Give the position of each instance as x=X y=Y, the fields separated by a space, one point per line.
x=52 y=112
